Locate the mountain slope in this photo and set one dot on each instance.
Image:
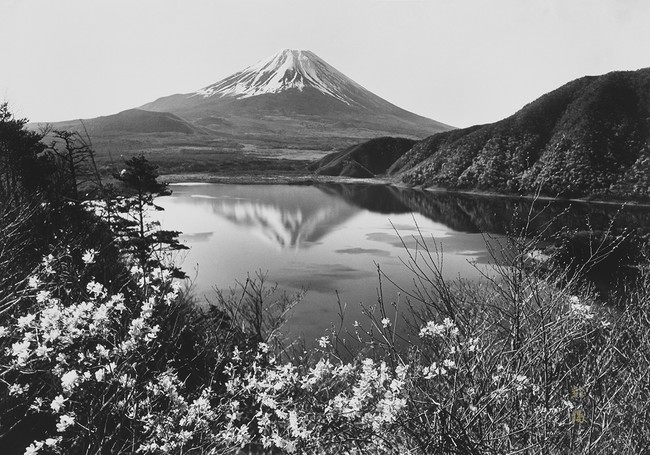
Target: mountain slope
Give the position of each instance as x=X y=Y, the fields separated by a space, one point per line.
x=133 y=121
x=590 y=137
x=364 y=160
x=293 y=90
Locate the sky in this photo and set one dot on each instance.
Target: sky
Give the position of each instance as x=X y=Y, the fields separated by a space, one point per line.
x=461 y=62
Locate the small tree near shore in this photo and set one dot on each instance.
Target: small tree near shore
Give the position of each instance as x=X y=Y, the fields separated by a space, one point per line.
x=141 y=236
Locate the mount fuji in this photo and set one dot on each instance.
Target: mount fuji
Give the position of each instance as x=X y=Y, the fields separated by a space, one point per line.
x=274 y=116
x=293 y=93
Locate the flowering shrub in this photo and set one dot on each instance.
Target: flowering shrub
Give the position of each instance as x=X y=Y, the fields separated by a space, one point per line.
x=66 y=357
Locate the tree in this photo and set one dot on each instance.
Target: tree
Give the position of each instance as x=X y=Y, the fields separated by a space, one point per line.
x=72 y=153
x=24 y=168
x=141 y=237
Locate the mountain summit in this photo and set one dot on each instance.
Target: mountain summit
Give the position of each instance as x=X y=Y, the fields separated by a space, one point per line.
x=294 y=93
x=288 y=69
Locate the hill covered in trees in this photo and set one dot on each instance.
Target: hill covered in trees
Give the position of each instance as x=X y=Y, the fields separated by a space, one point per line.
x=590 y=137
x=364 y=160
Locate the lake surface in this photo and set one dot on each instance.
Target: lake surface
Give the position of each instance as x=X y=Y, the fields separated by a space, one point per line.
x=330 y=238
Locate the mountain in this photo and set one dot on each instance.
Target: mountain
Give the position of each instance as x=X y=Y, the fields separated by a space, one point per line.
x=273 y=117
x=590 y=137
x=367 y=159
x=294 y=93
x=133 y=121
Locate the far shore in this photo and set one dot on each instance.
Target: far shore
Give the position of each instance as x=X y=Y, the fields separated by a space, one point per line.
x=312 y=179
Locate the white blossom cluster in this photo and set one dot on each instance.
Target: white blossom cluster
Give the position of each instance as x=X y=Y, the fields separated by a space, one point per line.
x=291 y=409
x=87 y=344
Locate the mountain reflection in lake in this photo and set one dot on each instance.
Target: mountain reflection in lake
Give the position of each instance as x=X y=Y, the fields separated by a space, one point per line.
x=331 y=237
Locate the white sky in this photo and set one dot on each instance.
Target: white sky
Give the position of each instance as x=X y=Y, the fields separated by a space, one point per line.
x=461 y=62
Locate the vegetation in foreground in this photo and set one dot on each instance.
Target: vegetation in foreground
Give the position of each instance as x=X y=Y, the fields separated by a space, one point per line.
x=102 y=351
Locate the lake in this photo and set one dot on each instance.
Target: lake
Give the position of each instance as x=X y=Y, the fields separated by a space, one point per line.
x=330 y=238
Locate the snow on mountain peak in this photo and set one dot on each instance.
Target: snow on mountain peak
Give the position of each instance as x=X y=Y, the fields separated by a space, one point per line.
x=288 y=69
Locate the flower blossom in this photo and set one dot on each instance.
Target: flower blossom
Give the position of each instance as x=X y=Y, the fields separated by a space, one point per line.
x=33 y=448
x=323 y=342
x=20 y=350
x=69 y=380
x=64 y=422
x=432 y=329
x=581 y=310
x=34 y=282
x=89 y=256
x=58 y=403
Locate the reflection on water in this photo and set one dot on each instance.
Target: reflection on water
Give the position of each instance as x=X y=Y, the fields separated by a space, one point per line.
x=280 y=215
x=332 y=237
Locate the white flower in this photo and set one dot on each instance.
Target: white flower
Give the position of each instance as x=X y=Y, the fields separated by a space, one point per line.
x=581 y=310
x=47 y=264
x=42 y=296
x=33 y=282
x=3 y=331
x=101 y=350
x=473 y=344
x=263 y=347
x=58 y=403
x=89 y=256
x=69 y=380
x=449 y=363
x=33 y=448
x=96 y=289
x=385 y=322
x=17 y=390
x=574 y=299
x=99 y=375
x=25 y=321
x=64 y=422
x=431 y=329
x=433 y=371
x=43 y=351
x=117 y=301
x=323 y=342
x=52 y=335
x=20 y=350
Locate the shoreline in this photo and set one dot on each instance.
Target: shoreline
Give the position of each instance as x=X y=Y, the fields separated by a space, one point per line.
x=311 y=179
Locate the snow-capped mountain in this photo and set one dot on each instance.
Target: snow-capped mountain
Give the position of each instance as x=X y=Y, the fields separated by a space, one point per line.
x=289 y=108
x=288 y=69
x=290 y=93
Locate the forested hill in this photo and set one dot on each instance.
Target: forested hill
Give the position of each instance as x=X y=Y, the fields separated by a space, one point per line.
x=590 y=137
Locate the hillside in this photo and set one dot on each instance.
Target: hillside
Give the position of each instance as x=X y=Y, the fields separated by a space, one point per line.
x=364 y=160
x=133 y=121
x=590 y=137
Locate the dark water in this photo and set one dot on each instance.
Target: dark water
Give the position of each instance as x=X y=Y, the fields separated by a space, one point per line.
x=332 y=237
